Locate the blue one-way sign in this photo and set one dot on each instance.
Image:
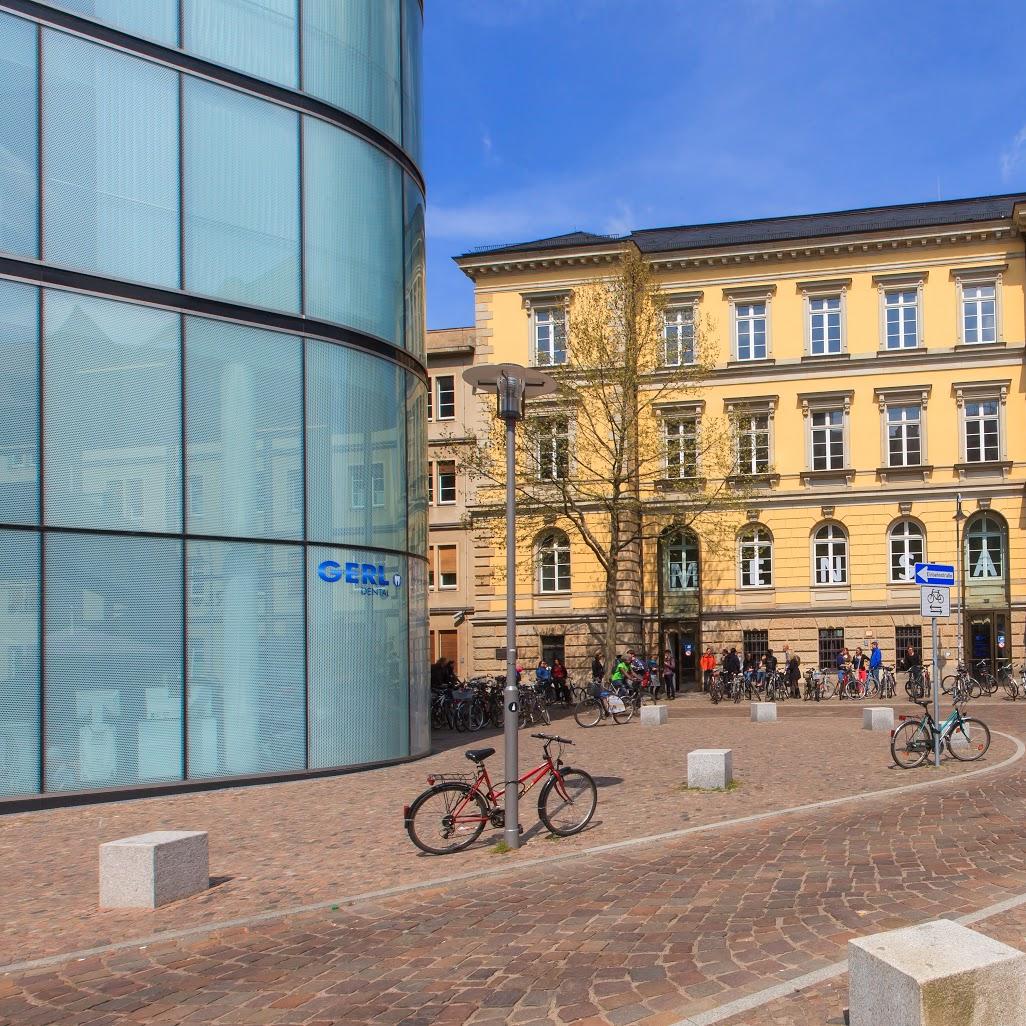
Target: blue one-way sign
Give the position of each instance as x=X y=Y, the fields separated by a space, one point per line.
x=938 y=574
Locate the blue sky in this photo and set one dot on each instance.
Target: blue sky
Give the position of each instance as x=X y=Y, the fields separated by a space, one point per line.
x=543 y=116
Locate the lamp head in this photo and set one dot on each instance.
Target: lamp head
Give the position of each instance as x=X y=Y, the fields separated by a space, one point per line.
x=512 y=384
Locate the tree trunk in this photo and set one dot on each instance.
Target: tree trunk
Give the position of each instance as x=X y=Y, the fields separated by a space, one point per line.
x=612 y=620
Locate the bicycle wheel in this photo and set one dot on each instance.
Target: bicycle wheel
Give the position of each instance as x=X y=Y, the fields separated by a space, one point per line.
x=910 y=744
x=827 y=689
x=567 y=802
x=968 y=740
x=948 y=684
x=628 y=711
x=543 y=712
x=447 y=818
x=475 y=714
x=588 y=712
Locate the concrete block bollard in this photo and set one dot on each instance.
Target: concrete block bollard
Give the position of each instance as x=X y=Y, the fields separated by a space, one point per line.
x=764 y=712
x=153 y=869
x=935 y=974
x=654 y=715
x=711 y=768
x=878 y=717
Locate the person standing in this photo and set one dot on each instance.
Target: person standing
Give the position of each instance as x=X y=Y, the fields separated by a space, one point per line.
x=559 y=684
x=792 y=672
x=598 y=670
x=707 y=664
x=669 y=675
x=843 y=669
x=876 y=664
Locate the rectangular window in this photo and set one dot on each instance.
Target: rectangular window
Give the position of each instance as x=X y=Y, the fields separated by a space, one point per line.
x=553 y=449
x=550 y=336
x=679 y=336
x=431 y=482
x=19 y=155
x=827 y=439
x=750 y=330
x=753 y=444
x=19 y=400
x=431 y=567
x=982 y=432
x=831 y=644
x=358 y=479
x=905 y=636
x=979 y=313
x=155 y=19
x=755 y=644
x=901 y=313
x=448 y=646
x=430 y=400
x=446 y=387
x=553 y=647
x=681 y=448
x=446 y=482
x=825 y=325
x=446 y=566
x=904 y=440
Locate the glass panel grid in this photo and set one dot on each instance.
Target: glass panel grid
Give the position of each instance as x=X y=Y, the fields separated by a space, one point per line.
x=903 y=436
x=825 y=324
x=19 y=154
x=902 y=318
x=153 y=19
x=750 y=326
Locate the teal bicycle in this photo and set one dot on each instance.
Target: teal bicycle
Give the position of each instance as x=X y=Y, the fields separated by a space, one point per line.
x=966 y=738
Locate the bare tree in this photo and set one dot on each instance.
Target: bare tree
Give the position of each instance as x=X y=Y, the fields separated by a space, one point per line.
x=622 y=451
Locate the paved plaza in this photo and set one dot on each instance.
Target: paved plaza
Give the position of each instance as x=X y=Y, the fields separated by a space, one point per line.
x=674 y=907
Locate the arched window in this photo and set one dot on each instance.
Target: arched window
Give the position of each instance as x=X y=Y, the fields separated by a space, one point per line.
x=830 y=555
x=554 y=562
x=755 y=557
x=985 y=548
x=681 y=561
x=907 y=547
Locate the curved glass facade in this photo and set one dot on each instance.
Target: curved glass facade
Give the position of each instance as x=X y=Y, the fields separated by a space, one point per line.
x=213 y=503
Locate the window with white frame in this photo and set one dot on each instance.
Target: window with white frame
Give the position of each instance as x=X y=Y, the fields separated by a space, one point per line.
x=753 y=443
x=679 y=336
x=824 y=325
x=901 y=318
x=446 y=491
x=431 y=482
x=553 y=442
x=985 y=548
x=554 y=562
x=982 y=420
x=682 y=562
x=446 y=567
x=358 y=479
x=681 y=434
x=549 y=336
x=830 y=555
x=979 y=312
x=907 y=547
x=827 y=427
x=445 y=386
x=904 y=435
x=430 y=400
x=750 y=330
x=755 y=557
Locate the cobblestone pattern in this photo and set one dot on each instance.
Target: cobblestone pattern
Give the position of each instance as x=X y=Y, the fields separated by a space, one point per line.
x=645 y=935
x=284 y=845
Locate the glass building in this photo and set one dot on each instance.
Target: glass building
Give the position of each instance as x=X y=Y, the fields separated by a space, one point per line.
x=213 y=501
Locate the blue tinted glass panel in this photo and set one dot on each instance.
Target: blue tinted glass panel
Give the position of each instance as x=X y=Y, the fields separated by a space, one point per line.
x=110 y=162
x=244 y=396
x=413 y=31
x=19 y=152
x=19 y=662
x=241 y=197
x=113 y=654
x=420 y=669
x=417 y=463
x=246 y=659
x=19 y=403
x=112 y=415
x=356 y=447
x=354 y=232
x=256 y=36
x=413 y=252
x=359 y=657
x=351 y=58
x=155 y=19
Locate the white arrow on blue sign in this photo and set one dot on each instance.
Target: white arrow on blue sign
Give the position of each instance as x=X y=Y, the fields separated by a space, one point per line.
x=938 y=574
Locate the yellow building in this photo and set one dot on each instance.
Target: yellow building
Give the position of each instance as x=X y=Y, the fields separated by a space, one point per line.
x=873 y=361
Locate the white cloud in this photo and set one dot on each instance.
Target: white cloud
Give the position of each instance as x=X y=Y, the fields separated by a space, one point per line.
x=1015 y=156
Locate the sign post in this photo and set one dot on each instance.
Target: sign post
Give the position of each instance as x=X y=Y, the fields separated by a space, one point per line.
x=935 y=581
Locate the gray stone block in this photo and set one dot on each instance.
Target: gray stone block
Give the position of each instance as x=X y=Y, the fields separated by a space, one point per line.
x=764 y=712
x=935 y=974
x=878 y=717
x=654 y=715
x=153 y=869
x=711 y=768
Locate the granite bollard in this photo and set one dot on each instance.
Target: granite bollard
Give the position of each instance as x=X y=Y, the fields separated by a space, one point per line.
x=878 y=717
x=153 y=869
x=711 y=768
x=654 y=715
x=764 y=712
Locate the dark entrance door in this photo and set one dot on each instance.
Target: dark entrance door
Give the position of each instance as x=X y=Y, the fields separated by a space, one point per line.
x=682 y=640
x=986 y=640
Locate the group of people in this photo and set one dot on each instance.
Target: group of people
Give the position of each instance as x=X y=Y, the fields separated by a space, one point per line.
x=552 y=680
x=632 y=669
x=753 y=667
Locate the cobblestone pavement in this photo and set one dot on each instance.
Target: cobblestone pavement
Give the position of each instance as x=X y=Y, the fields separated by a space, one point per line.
x=651 y=933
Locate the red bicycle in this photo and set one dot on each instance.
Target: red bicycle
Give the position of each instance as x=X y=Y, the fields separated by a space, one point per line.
x=451 y=814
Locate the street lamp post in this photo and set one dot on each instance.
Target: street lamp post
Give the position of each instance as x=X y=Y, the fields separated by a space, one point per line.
x=959 y=583
x=512 y=384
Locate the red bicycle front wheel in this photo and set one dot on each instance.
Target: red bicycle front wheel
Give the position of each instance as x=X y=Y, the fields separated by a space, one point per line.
x=447 y=818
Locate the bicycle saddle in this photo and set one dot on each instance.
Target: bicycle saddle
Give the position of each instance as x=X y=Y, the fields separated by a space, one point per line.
x=479 y=754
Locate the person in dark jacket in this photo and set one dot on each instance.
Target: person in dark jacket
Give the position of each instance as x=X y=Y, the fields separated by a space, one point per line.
x=598 y=671
x=559 y=681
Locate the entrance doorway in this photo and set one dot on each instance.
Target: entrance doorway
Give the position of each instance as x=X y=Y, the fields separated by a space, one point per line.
x=682 y=640
x=986 y=640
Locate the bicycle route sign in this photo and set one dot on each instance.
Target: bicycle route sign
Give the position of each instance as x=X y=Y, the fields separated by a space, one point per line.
x=934 y=601
x=940 y=575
